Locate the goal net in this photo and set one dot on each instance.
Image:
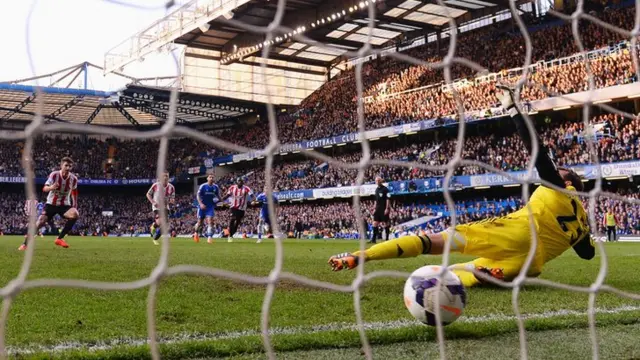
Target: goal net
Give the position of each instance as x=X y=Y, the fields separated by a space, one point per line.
x=528 y=82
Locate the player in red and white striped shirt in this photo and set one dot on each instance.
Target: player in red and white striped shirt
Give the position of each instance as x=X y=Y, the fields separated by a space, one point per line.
x=62 y=200
x=240 y=195
x=158 y=189
x=33 y=207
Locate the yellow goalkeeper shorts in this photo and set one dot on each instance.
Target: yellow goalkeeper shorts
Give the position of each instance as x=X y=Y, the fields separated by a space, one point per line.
x=502 y=245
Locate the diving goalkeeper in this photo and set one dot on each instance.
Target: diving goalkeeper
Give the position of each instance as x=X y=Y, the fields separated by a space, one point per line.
x=502 y=243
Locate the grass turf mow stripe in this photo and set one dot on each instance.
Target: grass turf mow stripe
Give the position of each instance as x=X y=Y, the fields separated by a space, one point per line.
x=375 y=326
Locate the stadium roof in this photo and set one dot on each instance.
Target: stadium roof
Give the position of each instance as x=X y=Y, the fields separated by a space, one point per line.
x=191 y=108
x=344 y=25
x=134 y=105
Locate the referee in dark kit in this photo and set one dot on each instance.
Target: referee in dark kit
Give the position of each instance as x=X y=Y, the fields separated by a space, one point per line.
x=381 y=213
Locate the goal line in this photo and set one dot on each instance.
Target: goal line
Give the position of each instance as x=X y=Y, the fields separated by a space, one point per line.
x=307 y=330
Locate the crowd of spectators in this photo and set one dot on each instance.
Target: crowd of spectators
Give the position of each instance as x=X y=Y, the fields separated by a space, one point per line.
x=100 y=159
x=617 y=140
x=331 y=110
x=478 y=99
x=627 y=215
x=334 y=219
x=131 y=214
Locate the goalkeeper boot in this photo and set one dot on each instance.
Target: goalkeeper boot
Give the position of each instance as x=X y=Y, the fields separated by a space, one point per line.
x=343 y=261
x=22 y=247
x=495 y=273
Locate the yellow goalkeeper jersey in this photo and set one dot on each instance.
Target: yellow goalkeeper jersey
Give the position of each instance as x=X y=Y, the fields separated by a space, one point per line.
x=561 y=220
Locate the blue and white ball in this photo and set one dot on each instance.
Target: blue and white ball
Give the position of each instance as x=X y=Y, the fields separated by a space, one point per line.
x=421 y=291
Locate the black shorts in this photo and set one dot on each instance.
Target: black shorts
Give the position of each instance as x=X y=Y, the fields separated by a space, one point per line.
x=52 y=210
x=237 y=214
x=379 y=216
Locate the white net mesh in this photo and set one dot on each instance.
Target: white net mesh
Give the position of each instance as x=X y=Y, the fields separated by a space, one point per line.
x=275 y=28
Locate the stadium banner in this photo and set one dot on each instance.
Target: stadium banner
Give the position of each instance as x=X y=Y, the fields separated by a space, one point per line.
x=330 y=141
x=495 y=179
x=405 y=187
x=626 y=168
x=422 y=186
x=211 y=162
x=294 y=195
x=109 y=182
x=196 y=170
x=344 y=191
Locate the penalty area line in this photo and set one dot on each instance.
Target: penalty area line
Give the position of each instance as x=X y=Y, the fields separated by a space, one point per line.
x=381 y=325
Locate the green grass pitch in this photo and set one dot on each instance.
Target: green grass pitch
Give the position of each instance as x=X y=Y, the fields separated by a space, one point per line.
x=203 y=317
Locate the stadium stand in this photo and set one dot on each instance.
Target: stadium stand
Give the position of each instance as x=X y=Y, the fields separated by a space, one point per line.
x=617 y=141
x=396 y=93
x=565 y=139
x=334 y=219
x=337 y=116
x=331 y=109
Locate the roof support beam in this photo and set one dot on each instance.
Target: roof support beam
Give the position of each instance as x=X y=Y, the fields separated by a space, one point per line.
x=303 y=61
x=272 y=55
x=125 y=113
x=253 y=63
x=65 y=107
x=31 y=114
x=18 y=107
x=343 y=42
x=94 y=114
x=402 y=21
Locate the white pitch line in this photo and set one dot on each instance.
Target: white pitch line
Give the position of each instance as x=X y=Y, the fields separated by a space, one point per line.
x=381 y=325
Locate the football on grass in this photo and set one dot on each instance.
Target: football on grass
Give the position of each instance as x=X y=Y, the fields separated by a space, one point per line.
x=421 y=291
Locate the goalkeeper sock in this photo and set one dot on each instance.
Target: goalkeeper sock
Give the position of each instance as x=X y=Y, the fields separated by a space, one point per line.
x=387 y=230
x=403 y=247
x=158 y=233
x=67 y=227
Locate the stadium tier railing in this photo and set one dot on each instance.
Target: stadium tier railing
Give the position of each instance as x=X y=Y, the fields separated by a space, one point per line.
x=512 y=73
x=615 y=49
x=557 y=103
x=629 y=90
